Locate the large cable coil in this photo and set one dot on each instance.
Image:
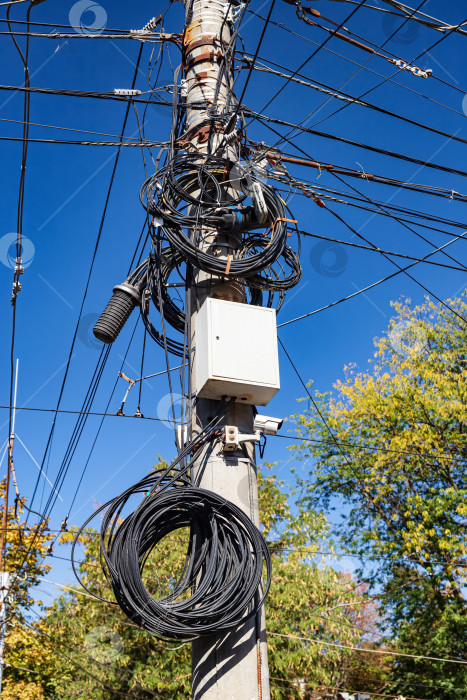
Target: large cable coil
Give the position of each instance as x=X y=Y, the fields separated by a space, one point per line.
x=200 y=207
x=221 y=580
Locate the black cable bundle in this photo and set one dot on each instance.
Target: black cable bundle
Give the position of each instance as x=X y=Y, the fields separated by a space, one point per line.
x=152 y=274
x=284 y=273
x=187 y=194
x=159 y=270
x=220 y=584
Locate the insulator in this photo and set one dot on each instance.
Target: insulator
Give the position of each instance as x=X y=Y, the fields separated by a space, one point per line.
x=125 y=92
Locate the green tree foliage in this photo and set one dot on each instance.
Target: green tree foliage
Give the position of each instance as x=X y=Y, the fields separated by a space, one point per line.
x=98 y=653
x=25 y=549
x=396 y=472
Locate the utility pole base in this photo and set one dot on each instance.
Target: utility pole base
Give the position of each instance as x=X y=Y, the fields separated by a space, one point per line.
x=232 y=666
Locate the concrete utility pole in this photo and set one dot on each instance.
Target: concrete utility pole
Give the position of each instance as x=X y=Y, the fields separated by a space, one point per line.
x=233 y=665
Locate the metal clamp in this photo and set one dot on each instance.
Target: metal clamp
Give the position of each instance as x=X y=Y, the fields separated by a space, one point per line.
x=233 y=438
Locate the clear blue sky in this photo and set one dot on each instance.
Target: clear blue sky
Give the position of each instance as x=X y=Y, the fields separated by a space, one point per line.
x=66 y=187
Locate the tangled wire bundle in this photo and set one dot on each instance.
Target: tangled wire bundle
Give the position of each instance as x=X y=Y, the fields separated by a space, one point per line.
x=221 y=579
x=281 y=275
x=187 y=194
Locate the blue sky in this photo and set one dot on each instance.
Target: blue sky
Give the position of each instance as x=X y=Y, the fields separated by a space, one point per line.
x=66 y=186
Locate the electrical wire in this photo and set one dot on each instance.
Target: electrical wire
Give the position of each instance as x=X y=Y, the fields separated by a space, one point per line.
x=263 y=32
x=430 y=22
x=168 y=190
x=375 y=149
x=88 y=413
x=386 y=252
x=148 y=39
x=358 y=100
x=365 y=289
x=18 y=270
x=69 y=142
x=286 y=437
x=356 y=63
x=307 y=60
x=347 y=38
x=359 y=235
x=366 y=650
x=65 y=128
x=99 y=234
x=340 y=95
x=97 y=95
x=332 y=92
x=311 y=190
x=277 y=158
x=43 y=516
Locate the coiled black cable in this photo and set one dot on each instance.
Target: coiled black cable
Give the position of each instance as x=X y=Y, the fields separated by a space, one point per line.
x=222 y=570
x=185 y=195
x=282 y=274
x=144 y=279
x=220 y=584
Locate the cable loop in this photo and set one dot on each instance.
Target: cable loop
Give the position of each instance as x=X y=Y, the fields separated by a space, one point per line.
x=220 y=584
x=194 y=193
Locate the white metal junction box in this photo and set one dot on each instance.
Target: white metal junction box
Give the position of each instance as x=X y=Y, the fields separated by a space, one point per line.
x=236 y=352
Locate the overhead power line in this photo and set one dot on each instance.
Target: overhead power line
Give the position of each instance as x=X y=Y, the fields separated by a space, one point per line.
x=361 y=66
x=359 y=235
x=419 y=17
x=286 y=437
x=86 y=413
x=367 y=92
x=70 y=355
x=66 y=142
x=326 y=89
x=93 y=95
x=324 y=642
x=307 y=130
x=365 y=289
x=332 y=93
x=66 y=128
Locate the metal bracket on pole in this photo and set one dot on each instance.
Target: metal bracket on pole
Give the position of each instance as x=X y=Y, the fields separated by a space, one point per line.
x=234 y=439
